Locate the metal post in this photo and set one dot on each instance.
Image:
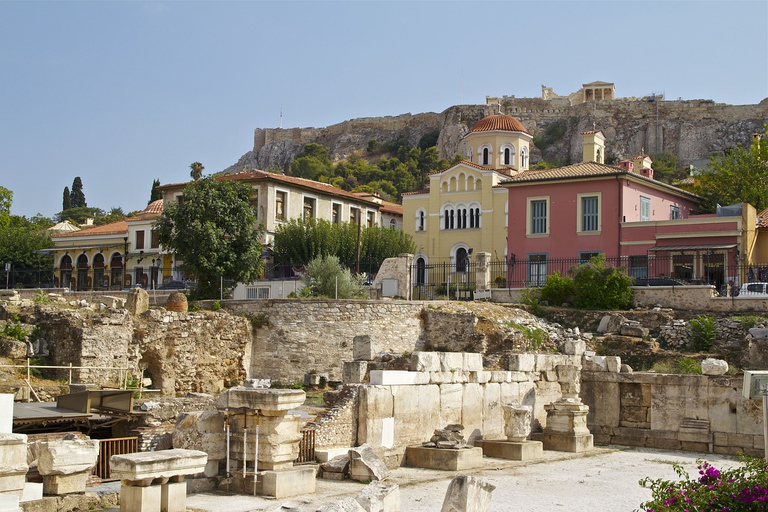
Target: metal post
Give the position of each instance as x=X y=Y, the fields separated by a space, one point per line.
x=765 y=422
x=256 y=455
x=336 y=289
x=70 y=373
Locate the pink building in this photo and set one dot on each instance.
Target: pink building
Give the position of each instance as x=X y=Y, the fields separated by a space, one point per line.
x=558 y=217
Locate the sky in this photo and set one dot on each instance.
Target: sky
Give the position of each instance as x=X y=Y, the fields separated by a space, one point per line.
x=121 y=93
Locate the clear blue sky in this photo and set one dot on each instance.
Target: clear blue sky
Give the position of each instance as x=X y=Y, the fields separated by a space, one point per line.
x=121 y=93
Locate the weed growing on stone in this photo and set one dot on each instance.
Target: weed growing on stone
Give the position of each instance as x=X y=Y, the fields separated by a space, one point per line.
x=741 y=489
x=748 y=322
x=703 y=332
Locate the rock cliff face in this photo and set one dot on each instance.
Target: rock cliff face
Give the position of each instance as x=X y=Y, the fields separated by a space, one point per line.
x=692 y=129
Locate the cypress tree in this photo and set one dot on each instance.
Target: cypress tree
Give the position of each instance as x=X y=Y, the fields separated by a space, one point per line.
x=67 y=203
x=77 y=196
x=155 y=194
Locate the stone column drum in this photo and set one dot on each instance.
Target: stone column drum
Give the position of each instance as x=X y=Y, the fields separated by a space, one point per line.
x=517 y=427
x=279 y=437
x=13 y=464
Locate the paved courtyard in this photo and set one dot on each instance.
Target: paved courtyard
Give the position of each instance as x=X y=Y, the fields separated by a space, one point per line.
x=605 y=479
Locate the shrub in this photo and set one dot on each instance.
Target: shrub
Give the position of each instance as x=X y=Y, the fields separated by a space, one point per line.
x=744 y=488
x=599 y=286
x=326 y=277
x=688 y=365
x=14 y=331
x=703 y=332
x=559 y=289
x=748 y=322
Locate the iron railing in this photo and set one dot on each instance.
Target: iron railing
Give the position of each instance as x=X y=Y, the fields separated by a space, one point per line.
x=447 y=280
x=110 y=447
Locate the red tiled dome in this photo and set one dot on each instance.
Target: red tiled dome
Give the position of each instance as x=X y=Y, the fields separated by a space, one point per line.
x=499 y=122
x=154 y=207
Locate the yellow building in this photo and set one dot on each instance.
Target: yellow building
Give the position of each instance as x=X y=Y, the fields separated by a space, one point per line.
x=112 y=256
x=463 y=210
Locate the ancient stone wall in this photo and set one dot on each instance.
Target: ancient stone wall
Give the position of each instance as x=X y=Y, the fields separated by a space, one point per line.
x=293 y=337
x=394 y=414
x=338 y=426
x=204 y=351
x=673 y=412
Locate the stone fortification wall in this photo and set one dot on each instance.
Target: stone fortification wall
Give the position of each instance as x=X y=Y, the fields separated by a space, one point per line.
x=691 y=129
x=399 y=408
x=293 y=337
x=672 y=412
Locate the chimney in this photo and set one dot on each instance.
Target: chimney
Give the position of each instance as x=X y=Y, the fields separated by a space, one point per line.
x=627 y=165
x=647 y=172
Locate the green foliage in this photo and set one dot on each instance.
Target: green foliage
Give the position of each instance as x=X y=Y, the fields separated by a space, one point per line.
x=79 y=214
x=14 y=331
x=19 y=240
x=688 y=365
x=66 y=202
x=196 y=170
x=405 y=170
x=702 y=331
x=155 y=194
x=77 y=197
x=6 y=200
x=667 y=167
x=553 y=132
x=741 y=175
x=216 y=306
x=748 y=322
x=739 y=489
x=558 y=290
x=213 y=233
x=326 y=277
x=535 y=337
x=282 y=385
x=429 y=140
x=115 y=214
x=599 y=286
x=297 y=242
x=532 y=297
x=41 y=298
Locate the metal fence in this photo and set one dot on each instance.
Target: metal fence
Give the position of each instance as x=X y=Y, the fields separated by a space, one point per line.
x=87 y=278
x=447 y=280
x=306 y=447
x=110 y=447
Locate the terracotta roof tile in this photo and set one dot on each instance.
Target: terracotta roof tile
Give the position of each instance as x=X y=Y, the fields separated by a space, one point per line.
x=762 y=219
x=498 y=122
x=586 y=170
x=391 y=208
x=590 y=132
x=154 y=207
x=113 y=228
x=259 y=175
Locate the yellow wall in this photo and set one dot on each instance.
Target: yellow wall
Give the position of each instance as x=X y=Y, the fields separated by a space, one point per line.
x=497 y=140
x=437 y=243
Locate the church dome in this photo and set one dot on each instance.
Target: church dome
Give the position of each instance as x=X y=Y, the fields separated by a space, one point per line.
x=499 y=122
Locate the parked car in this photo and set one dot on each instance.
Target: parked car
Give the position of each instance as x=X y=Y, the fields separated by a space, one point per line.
x=175 y=285
x=657 y=281
x=754 y=289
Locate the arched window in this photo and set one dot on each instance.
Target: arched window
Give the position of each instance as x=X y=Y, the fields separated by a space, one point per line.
x=420 y=221
x=599 y=156
x=485 y=156
x=452 y=223
x=98 y=271
x=66 y=271
x=461 y=259
x=116 y=271
x=524 y=158
x=392 y=224
x=507 y=156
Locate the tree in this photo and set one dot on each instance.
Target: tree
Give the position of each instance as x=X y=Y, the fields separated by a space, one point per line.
x=214 y=232
x=326 y=277
x=741 y=175
x=155 y=194
x=667 y=167
x=79 y=214
x=77 y=197
x=599 y=286
x=6 y=200
x=298 y=242
x=196 y=171
x=114 y=215
x=66 y=203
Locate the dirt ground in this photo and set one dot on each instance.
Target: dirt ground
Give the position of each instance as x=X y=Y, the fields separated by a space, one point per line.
x=605 y=479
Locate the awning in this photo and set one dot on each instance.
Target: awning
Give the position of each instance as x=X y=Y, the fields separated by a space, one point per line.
x=691 y=247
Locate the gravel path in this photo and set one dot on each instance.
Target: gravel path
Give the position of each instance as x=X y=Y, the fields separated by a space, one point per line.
x=606 y=479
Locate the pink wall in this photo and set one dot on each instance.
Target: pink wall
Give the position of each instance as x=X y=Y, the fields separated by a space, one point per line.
x=564 y=241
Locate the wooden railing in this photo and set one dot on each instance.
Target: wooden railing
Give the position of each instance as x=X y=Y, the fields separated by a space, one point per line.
x=306 y=447
x=110 y=447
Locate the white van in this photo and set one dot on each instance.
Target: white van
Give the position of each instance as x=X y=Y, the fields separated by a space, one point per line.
x=748 y=289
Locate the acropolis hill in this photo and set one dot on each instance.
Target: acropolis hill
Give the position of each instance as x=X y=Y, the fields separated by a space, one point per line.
x=691 y=129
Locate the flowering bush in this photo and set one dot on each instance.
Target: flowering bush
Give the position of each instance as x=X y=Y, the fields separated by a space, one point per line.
x=744 y=488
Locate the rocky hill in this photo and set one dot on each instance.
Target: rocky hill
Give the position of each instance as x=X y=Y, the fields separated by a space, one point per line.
x=691 y=129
